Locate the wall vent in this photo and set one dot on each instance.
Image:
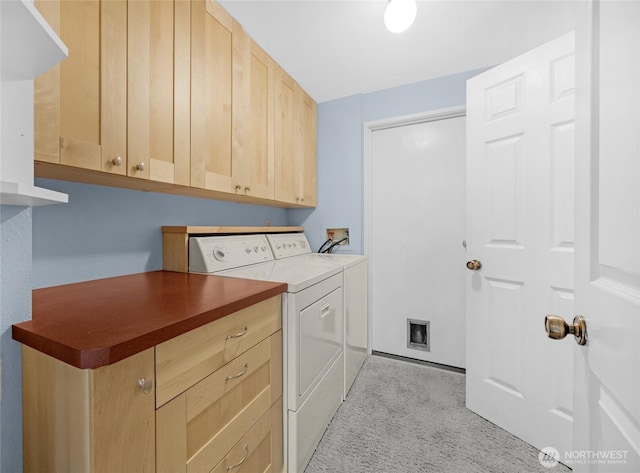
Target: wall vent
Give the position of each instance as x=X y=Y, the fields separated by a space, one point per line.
x=418 y=334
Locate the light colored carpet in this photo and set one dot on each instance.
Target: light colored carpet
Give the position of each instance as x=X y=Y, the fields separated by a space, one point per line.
x=404 y=417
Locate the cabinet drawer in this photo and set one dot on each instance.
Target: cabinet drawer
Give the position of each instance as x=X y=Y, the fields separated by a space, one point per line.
x=183 y=361
x=198 y=428
x=253 y=452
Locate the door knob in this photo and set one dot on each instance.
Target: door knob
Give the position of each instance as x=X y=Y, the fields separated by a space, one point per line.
x=474 y=265
x=557 y=328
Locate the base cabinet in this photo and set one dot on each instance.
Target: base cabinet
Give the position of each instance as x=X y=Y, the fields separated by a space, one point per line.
x=88 y=421
x=226 y=419
x=212 y=403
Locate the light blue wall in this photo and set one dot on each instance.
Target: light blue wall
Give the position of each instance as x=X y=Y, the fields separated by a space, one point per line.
x=15 y=306
x=105 y=231
x=340 y=154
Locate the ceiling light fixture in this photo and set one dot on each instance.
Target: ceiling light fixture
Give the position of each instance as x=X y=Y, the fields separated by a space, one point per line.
x=399 y=15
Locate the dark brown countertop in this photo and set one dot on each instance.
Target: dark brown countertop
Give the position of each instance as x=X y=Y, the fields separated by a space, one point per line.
x=97 y=323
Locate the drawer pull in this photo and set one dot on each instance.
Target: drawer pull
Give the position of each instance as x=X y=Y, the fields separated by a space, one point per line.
x=239 y=375
x=238 y=335
x=324 y=311
x=244 y=459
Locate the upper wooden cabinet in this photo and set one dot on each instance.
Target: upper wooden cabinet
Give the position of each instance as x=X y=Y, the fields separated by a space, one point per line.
x=78 y=122
x=304 y=142
x=295 y=142
x=117 y=104
x=253 y=118
x=286 y=187
x=232 y=87
x=158 y=93
x=212 y=30
x=176 y=94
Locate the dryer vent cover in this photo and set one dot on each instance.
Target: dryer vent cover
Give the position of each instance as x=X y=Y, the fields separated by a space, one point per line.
x=418 y=334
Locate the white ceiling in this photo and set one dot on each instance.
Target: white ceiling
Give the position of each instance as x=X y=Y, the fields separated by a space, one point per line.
x=336 y=48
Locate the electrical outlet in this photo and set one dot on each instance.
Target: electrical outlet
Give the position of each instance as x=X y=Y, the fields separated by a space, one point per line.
x=338 y=234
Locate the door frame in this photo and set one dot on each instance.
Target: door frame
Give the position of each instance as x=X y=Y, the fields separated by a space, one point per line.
x=368 y=129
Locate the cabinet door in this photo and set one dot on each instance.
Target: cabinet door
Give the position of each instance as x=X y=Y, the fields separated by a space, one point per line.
x=253 y=118
x=123 y=416
x=89 y=421
x=305 y=146
x=211 y=96
x=155 y=151
x=295 y=142
x=286 y=181
x=93 y=118
x=78 y=122
x=47 y=97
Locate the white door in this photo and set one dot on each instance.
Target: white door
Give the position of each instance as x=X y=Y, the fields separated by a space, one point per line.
x=520 y=226
x=607 y=369
x=417 y=231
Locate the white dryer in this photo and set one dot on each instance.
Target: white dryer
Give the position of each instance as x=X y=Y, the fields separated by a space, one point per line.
x=312 y=325
x=295 y=247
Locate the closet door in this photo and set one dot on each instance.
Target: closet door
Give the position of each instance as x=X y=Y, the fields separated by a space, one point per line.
x=418 y=228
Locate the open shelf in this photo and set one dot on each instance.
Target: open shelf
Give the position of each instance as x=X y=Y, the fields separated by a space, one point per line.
x=29 y=44
x=28 y=47
x=14 y=193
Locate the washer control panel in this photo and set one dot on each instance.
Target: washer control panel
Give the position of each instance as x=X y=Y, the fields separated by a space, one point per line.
x=285 y=245
x=211 y=254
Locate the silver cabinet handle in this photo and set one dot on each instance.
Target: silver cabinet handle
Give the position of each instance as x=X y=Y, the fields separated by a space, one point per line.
x=145 y=385
x=239 y=375
x=140 y=166
x=239 y=334
x=238 y=187
x=117 y=161
x=247 y=189
x=244 y=459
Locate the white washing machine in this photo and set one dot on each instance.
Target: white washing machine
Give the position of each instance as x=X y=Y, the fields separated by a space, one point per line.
x=312 y=324
x=295 y=246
